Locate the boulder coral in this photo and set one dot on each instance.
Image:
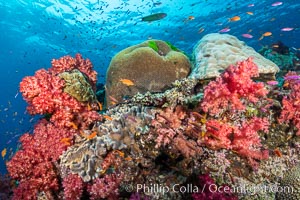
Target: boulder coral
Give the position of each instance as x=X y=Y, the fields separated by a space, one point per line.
x=152 y=66
x=215 y=52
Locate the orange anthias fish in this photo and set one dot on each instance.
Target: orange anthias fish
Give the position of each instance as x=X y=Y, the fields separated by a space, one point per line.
x=66 y=141
x=3 y=152
x=266 y=34
x=94 y=134
x=73 y=125
x=249 y=13
x=191 y=17
x=107 y=117
x=89 y=137
x=235 y=18
x=127 y=82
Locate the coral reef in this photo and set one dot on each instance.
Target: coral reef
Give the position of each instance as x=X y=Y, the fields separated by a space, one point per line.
x=160 y=64
x=284 y=57
x=73 y=187
x=290 y=185
x=232 y=132
x=291 y=103
x=234 y=90
x=45 y=91
x=210 y=190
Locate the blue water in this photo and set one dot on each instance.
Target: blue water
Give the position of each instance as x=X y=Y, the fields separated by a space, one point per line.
x=34 y=32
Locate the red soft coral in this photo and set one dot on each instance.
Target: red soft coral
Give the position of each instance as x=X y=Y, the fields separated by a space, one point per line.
x=242 y=139
x=44 y=91
x=67 y=63
x=106 y=187
x=34 y=163
x=73 y=187
x=291 y=104
x=232 y=88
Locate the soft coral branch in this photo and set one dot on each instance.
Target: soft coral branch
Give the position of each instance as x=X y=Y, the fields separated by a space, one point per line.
x=232 y=88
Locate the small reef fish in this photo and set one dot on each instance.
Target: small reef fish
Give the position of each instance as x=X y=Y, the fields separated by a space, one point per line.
x=287 y=29
x=266 y=34
x=73 y=125
x=127 y=82
x=107 y=117
x=224 y=30
x=250 y=5
x=3 y=152
x=201 y=30
x=292 y=77
x=89 y=137
x=247 y=35
x=113 y=99
x=191 y=17
x=235 y=18
x=272 y=82
x=66 y=141
x=278 y=3
x=249 y=13
x=154 y=17
x=277 y=152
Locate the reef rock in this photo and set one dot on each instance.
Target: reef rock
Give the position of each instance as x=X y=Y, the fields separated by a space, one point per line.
x=290 y=185
x=215 y=52
x=150 y=66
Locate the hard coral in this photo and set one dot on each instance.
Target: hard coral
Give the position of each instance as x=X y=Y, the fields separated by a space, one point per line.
x=233 y=88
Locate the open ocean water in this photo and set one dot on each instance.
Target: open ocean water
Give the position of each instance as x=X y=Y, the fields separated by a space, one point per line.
x=32 y=33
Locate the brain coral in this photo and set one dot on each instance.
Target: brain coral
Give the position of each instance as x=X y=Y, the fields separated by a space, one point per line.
x=152 y=66
x=215 y=52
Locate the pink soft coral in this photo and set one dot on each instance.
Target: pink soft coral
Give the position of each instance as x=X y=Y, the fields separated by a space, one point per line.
x=291 y=103
x=44 y=92
x=106 y=187
x=33 y=165
x=242 y=139
x=73 y=187
x=233 y=87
